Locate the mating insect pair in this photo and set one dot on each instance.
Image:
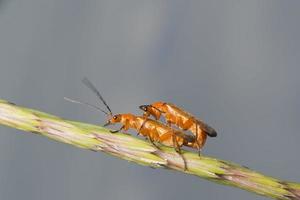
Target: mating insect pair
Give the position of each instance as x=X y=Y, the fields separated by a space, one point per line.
x=156 y=131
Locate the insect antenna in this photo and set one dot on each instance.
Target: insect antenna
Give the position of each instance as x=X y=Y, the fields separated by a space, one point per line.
x=89 y=84
x=86 y=104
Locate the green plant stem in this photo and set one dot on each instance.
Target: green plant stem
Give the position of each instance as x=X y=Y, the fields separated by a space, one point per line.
x=139 y=151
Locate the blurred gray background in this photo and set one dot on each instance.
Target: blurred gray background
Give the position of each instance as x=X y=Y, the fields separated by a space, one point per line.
x=234 y=64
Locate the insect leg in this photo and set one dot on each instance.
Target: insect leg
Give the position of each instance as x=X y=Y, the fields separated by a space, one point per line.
x=198 y=143
x=152 y=142
x=199 y=151
x=169 y=119
x=125 y=127
x=196 y=132
x=178 y=150
x=115 y=131
x=188 y=124
x=139 y=130
x=169 y=123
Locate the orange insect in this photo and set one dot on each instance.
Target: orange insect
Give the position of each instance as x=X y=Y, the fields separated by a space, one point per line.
x=184 y=120
x=155 y=131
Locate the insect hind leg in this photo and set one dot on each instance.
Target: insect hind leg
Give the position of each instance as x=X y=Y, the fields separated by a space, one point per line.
x=199 y=151
x=178 y=150
x=198 y=142
x=153 y=143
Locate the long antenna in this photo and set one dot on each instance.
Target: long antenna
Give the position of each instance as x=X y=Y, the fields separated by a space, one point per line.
x=88 y=84
x=84 y=103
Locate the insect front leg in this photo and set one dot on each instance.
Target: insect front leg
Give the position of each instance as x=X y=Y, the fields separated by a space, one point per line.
x=115 y=131
x=125 y=127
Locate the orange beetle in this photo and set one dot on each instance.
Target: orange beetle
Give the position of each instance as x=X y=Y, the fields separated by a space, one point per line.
x=153 y=130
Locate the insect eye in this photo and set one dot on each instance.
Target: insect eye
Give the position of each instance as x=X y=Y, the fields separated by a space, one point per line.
x=115 y=117
x=145 y=108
